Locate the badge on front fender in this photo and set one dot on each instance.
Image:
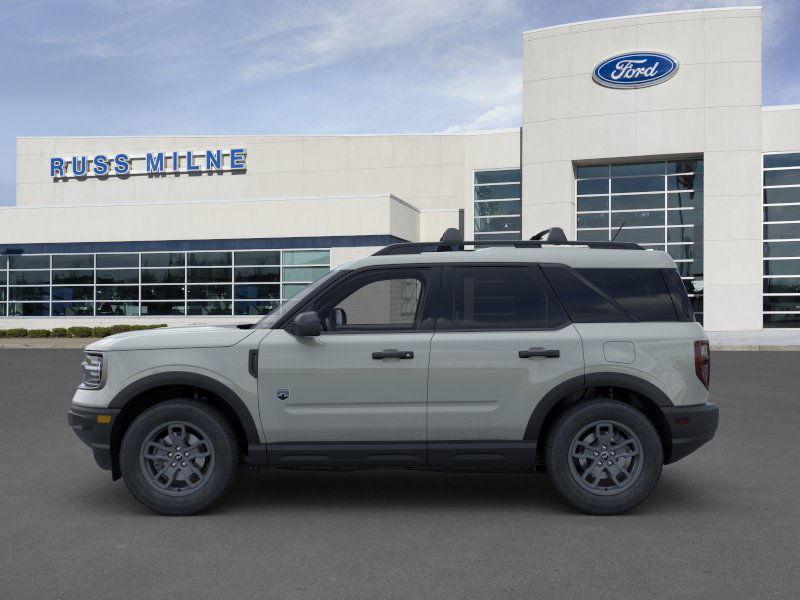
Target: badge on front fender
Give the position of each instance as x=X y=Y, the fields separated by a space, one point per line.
x=283 y=393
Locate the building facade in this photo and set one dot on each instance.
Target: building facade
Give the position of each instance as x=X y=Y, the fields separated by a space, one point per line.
x=667 y=145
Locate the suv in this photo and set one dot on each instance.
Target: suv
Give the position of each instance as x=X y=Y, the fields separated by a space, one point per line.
x=581 y=359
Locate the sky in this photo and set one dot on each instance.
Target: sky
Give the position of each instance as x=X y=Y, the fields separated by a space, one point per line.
x=160 y=67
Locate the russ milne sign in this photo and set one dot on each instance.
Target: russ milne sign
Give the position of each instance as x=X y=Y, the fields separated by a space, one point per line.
x=151 y=163
x=635 y=70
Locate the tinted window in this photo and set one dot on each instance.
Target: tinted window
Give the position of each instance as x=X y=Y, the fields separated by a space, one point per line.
x=642 y=292
x=585 y=303
x=501 y=298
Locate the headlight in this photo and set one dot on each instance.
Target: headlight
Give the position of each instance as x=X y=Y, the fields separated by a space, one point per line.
x=93 y=371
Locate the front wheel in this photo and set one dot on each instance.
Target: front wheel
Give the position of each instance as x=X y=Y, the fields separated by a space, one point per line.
x=604 y=456
x=179 y=457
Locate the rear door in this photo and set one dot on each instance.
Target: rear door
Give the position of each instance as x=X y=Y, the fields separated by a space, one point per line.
x=502 y=342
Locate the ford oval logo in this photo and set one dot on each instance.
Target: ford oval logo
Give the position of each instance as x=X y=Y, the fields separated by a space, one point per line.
x=635 y=70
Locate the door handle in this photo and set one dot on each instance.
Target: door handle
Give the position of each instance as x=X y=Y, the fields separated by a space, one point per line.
x=531 y=352
x=392 y=353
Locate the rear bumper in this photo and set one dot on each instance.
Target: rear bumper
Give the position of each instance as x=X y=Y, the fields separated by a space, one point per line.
x=97 y=436
x=690 y=427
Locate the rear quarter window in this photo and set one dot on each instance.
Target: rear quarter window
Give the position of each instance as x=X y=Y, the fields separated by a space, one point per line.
x=642 y=292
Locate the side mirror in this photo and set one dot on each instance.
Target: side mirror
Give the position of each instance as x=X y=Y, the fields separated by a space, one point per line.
x=306 y=324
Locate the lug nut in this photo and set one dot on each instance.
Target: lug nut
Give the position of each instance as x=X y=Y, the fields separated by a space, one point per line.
x=609 y=463
x=599 y=463
x=184 y=464
x=173 y=464
x=612 y=453
x=597 y=454
x=603 y=447
x=170 y=454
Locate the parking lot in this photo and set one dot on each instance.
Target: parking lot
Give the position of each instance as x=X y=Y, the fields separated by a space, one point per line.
x=723 y=523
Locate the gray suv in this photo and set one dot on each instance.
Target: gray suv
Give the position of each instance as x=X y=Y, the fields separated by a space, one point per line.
x=581 y=359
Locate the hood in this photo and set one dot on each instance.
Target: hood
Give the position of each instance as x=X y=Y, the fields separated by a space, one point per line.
x=173 y=337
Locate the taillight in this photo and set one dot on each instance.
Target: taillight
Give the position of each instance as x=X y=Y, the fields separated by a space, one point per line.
x=702 y=361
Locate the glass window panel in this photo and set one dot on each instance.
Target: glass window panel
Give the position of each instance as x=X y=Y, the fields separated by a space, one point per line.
x=685 y=200
x=681 y=251
x=2 y=309
x=496 y=237
x=506 y=224
x=117 y=309
x=117 y=292
x=593 y=236
x=3 y=262
x=592 y=186
x=782 y=231
x=29 y=277
x=643 y=292
x=506 y=207
x=499 y=176
x=113 y=261
x=684 y=217
x=163 y=276
x=789 y=159
x=680 y=234
x=209 y=259
x=73 y=261
x=494 y=192
x=84 y=292
x=783 y=303
x=118 y=276
x=209 y=275
x=684 y=182
x=306 y=257
x=782 y=195
x=2 y=294
x=163 y=259
x=292 y=289
x=777 y=321
x=29 y=293
x=782 y=285
x=257 y=274
x=254 y=292
x=2 y=277
x=788 y=177
x=782 y=267
x=73 y=309
x=162 y=309
x=637 y=184
x=782 y=213
x=648 y=168
x=254 y=307
x=63 y=277
x=209 y=292
x=642 y=201
x=162 y=292
x=303 y=273
x=28 y=309
x=638 y=218
x=220 y=307
x=772 y=249
x=29 y=262
x=593 y=220
x=593 y=203
x=257 y=258
x=642 y=236
x=587 y=171
x=684 y=166
x=689 y=269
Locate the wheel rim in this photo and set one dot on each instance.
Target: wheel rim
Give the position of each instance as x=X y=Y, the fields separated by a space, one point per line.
x=605 y=458
x=177 y=458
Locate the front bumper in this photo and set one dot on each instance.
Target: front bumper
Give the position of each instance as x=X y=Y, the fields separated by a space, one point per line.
x=94 y=433
x=690 y=427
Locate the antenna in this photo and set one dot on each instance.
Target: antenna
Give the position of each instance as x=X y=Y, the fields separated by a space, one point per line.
x=618 y=230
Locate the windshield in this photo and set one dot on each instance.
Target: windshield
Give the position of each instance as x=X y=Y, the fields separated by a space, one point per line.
x=288 y=306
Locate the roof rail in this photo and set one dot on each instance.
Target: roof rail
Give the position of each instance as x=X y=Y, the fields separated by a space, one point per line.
x=451 y=245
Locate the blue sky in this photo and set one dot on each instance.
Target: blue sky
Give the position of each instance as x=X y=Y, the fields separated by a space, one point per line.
x=152 y=67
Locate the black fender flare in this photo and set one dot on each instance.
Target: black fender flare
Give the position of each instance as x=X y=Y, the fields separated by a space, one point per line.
x=188 y=378
x=570 y=386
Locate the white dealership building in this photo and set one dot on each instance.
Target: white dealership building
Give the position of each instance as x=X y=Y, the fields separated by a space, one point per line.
x=649 y=128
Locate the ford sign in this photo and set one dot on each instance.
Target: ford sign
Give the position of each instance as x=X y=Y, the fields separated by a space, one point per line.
x=635 y=70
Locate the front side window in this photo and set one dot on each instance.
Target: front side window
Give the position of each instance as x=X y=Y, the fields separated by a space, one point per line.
x=500 y=298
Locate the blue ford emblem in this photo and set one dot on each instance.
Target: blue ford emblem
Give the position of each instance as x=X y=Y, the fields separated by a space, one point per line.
x=635 y=70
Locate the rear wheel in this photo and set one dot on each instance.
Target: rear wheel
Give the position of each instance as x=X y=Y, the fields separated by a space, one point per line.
x=179 y=457
x=604 y=456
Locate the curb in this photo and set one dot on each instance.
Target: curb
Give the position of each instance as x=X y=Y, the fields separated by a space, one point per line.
x=51 y=343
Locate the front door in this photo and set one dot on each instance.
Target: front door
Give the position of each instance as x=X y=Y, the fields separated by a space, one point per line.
x=502 y=342
x=358 y=391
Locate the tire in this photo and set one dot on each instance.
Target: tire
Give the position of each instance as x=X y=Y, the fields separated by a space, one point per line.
x=615 y=434
x=179 y=457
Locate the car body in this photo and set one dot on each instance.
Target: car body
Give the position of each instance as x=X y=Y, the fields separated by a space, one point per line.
x=426 y=356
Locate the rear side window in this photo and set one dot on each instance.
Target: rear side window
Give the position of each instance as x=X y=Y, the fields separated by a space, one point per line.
x=500 y=298
x=642 y=292
x=679 y=297
x=585 y=302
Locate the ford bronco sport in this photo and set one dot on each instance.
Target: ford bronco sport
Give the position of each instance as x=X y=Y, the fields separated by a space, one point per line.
x=581 y=359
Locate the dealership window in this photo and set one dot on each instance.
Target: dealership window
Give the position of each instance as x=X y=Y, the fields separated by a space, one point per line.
x=657 y=204
x=130 y=284
x=498 y=204
x=781 y=211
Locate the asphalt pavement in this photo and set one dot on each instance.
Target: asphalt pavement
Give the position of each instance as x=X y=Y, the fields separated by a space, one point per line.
x=723 y=523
